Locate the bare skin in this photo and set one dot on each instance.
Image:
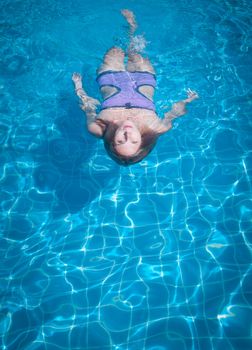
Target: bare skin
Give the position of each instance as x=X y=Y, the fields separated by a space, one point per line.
x=131 y=122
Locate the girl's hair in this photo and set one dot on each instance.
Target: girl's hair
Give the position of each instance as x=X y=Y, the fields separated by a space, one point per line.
x=148 y=141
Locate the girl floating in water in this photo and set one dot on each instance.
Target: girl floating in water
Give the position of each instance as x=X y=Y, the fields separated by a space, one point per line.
x=127 y=122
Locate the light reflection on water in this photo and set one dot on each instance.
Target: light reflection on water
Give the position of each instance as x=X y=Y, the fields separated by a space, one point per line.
x=156 y=256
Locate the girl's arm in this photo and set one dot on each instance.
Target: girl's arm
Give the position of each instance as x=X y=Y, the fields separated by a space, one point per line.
x=88 y=105
x=178 y=109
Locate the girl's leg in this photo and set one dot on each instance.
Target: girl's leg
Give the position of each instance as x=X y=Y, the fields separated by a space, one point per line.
x=130 y=18
x=136 y=62
x=113 y=60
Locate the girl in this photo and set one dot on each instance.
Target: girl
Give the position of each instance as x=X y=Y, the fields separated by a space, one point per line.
x=127 y=122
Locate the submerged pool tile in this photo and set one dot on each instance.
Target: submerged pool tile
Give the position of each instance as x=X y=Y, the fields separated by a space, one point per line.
x=154 y=256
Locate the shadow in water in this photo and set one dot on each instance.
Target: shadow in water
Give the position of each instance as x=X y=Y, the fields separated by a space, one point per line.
x=63 y=158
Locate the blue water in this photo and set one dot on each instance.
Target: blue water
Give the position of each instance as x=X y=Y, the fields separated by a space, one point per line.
x=156 y=256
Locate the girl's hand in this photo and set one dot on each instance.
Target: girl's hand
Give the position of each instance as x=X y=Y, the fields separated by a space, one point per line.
x=76 y=77
x=192 y=95
x=77 y=80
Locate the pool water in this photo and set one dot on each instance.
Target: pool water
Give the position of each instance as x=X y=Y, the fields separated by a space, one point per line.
x=156 y=256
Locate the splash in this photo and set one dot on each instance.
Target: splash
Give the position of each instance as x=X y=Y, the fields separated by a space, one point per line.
x=137 y=43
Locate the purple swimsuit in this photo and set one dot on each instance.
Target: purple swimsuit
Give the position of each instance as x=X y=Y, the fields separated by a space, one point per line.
x=127 y=85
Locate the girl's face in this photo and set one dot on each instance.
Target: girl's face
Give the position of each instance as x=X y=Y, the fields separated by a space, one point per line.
x=127 y=139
